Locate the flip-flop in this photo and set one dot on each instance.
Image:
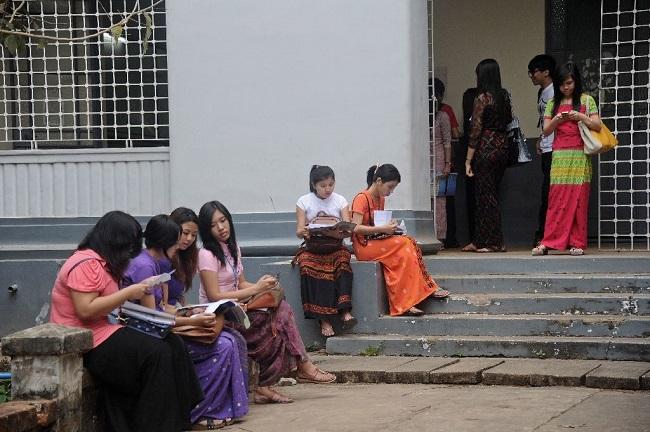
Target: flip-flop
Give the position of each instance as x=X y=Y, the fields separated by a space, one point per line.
x=208 y=424
x=349 y=323
x=413 y=312
x=469 y=248
x=575 y=251
x=539 y=250
x=312 y=379
x=277 y=399
x=440 y=294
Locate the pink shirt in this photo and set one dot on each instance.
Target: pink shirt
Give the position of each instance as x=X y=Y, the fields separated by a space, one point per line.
x=89 y=276
x=225 y=273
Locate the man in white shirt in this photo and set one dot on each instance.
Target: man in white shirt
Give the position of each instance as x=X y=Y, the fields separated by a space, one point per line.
x=540 y=71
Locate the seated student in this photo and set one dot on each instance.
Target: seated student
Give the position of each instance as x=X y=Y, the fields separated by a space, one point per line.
x=273 y=338
x=407 y=280
x=147 y=384
x=221 y=366
x=161 y=240
x=325 y=276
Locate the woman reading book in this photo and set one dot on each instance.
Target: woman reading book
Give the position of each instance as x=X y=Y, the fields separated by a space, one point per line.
x=273 y=339
x=221 y=366
x=407 y=280
x=325 y=272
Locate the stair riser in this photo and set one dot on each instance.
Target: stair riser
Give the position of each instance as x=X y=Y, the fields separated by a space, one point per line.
x=561 y=350
x=551 y=284
x=528 y=326
x=538 y=305
x=508 y=264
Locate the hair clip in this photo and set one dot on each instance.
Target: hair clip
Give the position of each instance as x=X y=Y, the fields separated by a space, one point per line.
x=376 y=168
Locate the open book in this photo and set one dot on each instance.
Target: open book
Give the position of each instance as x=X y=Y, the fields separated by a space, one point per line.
x=339 y=230
x=229 y=307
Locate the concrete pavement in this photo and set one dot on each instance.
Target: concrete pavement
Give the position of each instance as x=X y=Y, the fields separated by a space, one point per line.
x=457 y=408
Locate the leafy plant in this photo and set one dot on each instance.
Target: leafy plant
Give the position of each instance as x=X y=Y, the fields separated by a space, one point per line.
x=372 y=351
x=5 y=390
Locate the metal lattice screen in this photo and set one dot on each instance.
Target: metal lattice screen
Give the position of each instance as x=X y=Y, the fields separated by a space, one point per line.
x=87 y=93
x=624 y=182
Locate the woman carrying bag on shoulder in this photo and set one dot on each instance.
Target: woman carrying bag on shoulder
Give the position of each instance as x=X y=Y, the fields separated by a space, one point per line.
x=568 y=198
x=407 y=281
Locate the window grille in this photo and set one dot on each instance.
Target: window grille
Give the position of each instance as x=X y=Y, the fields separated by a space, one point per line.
x=624 y=181
x=96 y=93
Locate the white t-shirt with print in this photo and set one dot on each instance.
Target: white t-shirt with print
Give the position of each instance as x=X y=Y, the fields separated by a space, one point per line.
x=312 y=205
x=546 y=143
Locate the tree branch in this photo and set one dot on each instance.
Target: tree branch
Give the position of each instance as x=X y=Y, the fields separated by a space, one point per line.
x=90 y=36
x=13 y=14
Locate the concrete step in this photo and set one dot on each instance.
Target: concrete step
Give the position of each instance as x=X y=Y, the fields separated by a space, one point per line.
x=544 y=283
x=521 y=263
x=515 y=325
x=564 y=304
x=604 y=374
x=599 y=348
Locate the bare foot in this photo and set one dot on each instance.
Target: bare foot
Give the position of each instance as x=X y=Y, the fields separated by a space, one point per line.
x=326 y=328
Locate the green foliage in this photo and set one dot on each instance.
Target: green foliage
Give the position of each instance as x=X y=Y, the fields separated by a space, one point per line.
x=372 y=351
x=5 y=390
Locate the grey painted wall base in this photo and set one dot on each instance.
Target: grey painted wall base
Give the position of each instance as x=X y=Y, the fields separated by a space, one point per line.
x=259 y=234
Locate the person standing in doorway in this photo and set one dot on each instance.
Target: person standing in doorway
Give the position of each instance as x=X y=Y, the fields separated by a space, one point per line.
x=540 y=71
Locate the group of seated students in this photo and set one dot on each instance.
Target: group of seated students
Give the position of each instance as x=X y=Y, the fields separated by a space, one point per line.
x=177 y=383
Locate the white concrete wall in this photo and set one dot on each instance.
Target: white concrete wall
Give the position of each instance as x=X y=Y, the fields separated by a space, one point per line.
x=261 y=90
x=510 y=31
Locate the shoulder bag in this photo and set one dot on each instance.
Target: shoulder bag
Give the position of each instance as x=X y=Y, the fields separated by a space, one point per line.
x=597 y=142
x=206 y=335
x=518 y=153
x=266 y=300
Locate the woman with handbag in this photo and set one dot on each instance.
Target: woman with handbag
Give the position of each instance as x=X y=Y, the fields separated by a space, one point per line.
x=147 y=384
x=487 y=155
x=568 y=198
x=219 y=355
x=407 y=281
x=325 y=272
x=273 y=339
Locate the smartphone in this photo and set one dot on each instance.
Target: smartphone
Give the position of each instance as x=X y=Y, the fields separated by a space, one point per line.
x=565 y=114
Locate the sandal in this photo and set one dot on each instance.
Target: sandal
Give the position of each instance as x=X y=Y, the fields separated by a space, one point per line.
x=469 y=248
x=539 y=250
x=275 y=398
x=414 y=312
x=208 y=424
x=575 y=251
x=440 y=294
x=349 y=323
x=320 y=377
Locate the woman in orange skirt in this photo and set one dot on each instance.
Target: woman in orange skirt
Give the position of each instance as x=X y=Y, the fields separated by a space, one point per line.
x=407 y=280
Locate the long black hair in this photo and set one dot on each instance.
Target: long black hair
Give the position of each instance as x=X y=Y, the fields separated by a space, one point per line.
x=161 y=233
x=205 y=231
x=185 y=261
x=488 y=80
x=319 y=173
x=116 y=237
x=562 y=73
x=385 y=172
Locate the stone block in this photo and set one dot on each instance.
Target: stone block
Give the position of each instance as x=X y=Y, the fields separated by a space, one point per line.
x=645 y=381
x=18 y=416
x=416 y=371
x=357 y=369
x=47 y=339
x=618 y=375
x=535 y=372
x=464 y=371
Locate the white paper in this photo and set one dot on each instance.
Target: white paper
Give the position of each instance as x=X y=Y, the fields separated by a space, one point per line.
x=382 y=217
x=161 y=278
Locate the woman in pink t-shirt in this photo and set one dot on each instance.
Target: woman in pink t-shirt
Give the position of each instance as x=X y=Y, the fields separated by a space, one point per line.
x=148 y=384
x=273 y=339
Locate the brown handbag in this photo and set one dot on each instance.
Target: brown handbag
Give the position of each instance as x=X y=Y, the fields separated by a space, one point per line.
x=206 y=335
x=267 y=299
